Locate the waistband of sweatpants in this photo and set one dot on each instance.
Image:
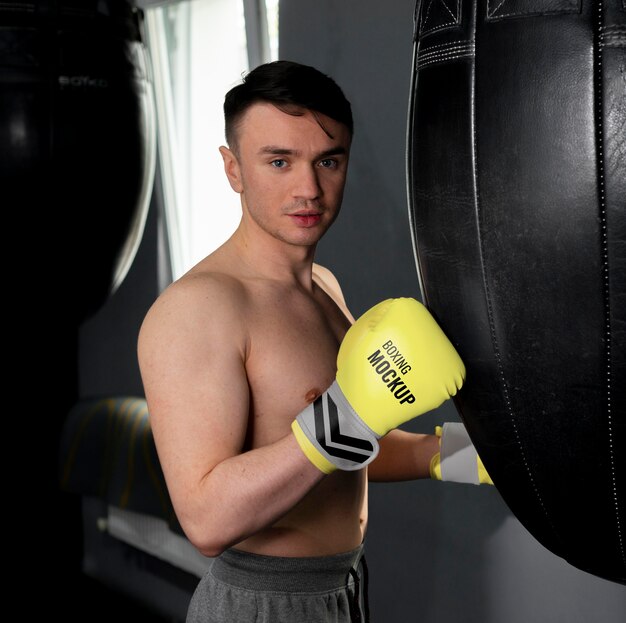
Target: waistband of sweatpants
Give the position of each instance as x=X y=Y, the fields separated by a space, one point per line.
x=275 y=573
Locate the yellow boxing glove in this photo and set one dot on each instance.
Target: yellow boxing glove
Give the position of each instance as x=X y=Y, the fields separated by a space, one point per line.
x=457 y=460
x=394 y=364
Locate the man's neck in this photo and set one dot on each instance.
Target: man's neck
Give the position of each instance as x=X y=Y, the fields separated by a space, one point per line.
x=267 y=257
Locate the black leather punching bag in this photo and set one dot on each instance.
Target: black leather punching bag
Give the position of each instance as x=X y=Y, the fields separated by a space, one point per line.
x=517 y=189
x=78 y=140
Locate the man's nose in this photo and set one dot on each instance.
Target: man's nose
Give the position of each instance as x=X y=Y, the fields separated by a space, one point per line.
x=307 y=185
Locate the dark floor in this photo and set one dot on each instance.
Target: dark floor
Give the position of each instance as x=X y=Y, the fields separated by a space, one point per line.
x=88 y=600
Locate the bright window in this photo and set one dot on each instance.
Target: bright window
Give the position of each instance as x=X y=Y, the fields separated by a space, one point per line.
x=200 y=49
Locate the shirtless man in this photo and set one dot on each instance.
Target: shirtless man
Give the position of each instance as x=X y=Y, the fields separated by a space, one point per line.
x=233 y=351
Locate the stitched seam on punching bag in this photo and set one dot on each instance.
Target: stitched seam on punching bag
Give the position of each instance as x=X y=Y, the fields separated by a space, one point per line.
x=452 y=21
x=493 y=14
x=444 y=52
x=612 y=36
x=494 y=337
x=599 y=113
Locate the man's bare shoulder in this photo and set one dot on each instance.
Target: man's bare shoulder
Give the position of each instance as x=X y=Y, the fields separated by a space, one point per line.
x=327 y=281
x=204 y=302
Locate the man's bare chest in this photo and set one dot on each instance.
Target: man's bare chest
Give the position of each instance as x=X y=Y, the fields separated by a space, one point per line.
x=291 y=360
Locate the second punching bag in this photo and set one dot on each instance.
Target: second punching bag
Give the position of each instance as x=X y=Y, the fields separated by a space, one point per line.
x=77 y=129
x=517 y=183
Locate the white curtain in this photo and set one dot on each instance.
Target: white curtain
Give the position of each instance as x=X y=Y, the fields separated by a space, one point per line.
x=199 y=50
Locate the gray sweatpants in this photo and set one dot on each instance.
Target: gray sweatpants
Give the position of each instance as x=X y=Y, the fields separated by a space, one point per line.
x=245 y=588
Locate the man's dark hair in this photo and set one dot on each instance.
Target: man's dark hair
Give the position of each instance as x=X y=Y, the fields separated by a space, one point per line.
x=291 y=87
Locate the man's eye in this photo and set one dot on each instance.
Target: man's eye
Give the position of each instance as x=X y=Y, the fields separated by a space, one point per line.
x=328 y=163
x=279 y=163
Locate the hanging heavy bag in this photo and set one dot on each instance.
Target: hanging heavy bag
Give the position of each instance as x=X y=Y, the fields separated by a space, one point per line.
x=77 y=130
x=517 y=184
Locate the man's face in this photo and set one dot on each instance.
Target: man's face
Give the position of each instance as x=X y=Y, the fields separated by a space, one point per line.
x=289 y=171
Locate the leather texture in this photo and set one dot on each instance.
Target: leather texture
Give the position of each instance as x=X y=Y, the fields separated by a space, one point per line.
x=517 y=197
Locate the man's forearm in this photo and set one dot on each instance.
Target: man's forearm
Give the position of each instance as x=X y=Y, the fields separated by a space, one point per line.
x=246 y=493
x=403 y=456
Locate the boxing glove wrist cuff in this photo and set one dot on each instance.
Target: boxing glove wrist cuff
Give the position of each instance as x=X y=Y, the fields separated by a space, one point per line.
x=333 y=436
x=457 y=460
x=435 y=464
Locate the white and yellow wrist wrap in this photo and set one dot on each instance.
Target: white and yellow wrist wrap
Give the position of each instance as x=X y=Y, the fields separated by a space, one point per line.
x=457 y=460
x=333 y=436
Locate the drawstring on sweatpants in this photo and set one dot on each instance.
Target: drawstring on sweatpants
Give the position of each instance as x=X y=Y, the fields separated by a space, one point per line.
x=355 y=603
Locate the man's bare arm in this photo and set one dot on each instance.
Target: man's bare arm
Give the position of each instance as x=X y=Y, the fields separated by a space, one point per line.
x=192 y=354
x=403 y=456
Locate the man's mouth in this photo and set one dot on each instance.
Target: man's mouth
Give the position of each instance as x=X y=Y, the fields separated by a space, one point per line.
x=306 y=219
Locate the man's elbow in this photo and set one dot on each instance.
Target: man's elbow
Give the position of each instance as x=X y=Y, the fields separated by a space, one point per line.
x=208 y=541
x=210 y=549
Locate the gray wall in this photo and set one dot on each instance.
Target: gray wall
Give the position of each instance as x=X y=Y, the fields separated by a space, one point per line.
x=437 y=552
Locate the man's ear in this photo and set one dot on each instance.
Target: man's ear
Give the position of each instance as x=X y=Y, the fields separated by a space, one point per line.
x=231 y=168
